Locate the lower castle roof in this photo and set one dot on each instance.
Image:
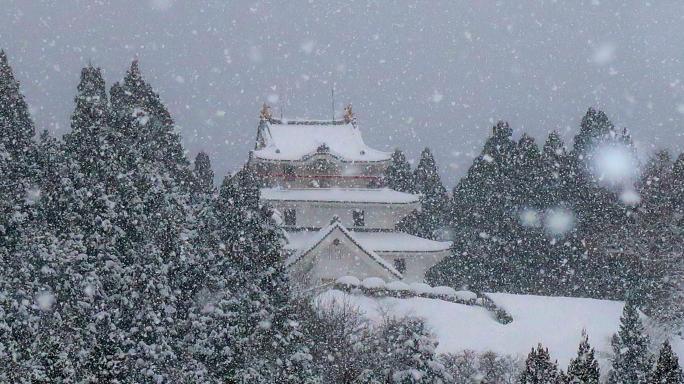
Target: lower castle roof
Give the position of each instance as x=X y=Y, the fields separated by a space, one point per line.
x=340 y=195
x=376 y=241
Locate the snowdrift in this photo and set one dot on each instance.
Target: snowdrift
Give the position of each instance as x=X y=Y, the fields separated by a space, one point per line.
x=556 y=322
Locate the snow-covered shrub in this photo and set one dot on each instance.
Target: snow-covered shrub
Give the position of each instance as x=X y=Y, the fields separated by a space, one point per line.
x=373 y=283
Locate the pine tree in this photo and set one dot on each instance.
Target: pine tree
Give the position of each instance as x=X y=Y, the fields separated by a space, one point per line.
x=204 y=176
x=76 y=238
x=554 y=172
x=678 y=189
x=50 y=163
x=407 y=354
x=539 y=369
x=139 y=119
x=528 y=244
x=16 y=155
x=631 y=362
x=584 y=368
x=19 y=322
x=144 y=179
x=594 y=129
x=527 y=173
x=640 y=254
x=667 y=369
x=482 y=219
x=16 y=126
x=434 y=200
x=595 y=205
x=89 y=127
x=246 y=288
x=398 y=175
x=656 y=237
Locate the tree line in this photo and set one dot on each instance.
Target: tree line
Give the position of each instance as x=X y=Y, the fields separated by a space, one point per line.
x=120 y=261
x=546 y=221
x=631 y=361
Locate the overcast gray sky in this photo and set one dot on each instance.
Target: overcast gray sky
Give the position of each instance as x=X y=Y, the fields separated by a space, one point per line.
x=425 y=73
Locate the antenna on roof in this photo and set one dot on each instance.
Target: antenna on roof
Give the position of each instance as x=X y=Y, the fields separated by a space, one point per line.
x=332 y=97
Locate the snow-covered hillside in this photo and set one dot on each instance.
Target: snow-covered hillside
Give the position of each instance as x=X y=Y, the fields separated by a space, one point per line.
x=556 y=322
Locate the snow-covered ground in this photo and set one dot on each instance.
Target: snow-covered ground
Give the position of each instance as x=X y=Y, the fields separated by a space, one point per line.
x=556 y=322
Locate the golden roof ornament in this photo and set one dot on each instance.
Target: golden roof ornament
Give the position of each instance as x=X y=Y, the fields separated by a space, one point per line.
x=265 y=113
x=348 y=114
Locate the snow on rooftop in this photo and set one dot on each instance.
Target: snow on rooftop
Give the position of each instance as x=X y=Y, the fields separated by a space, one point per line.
x=377 y=241
x=295 y=140
x=348 y=280
x=351 y=195
x=399 y=241
x=323 y=233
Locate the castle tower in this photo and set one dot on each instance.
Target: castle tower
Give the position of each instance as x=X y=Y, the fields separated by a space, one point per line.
x=325 y=182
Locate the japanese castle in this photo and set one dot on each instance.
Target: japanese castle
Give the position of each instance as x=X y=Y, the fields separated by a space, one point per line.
x=325 y=185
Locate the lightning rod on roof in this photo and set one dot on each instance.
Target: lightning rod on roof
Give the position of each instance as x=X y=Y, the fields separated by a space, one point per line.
x=332 y=97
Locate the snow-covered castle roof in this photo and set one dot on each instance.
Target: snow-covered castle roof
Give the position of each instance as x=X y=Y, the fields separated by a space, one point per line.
x=340 y=195
x=335 y=225
x=291 y=140
x=377 y=241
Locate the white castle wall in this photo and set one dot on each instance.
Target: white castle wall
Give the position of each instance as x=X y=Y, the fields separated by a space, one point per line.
x=319 y=214
x=417 y=263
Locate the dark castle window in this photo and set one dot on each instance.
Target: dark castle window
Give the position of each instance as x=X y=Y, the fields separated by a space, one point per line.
x=290 y=217
x=289 y=172
x=359 y=219
x=400 y=265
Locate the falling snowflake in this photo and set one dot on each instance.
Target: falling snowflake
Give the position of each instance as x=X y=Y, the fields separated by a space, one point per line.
x=559 y=221
x=45 y=300
x=530 y=218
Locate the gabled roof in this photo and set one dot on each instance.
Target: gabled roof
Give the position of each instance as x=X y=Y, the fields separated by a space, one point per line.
x=324 y=232
x=290 y=140
x=376 y=241
x=340 y=195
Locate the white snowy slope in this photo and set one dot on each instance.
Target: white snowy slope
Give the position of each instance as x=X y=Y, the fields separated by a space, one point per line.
x=556 y=322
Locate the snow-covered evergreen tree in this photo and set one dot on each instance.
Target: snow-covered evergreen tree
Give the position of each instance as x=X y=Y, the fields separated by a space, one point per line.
x=429 y=184
x=16 y=125
x=584 y=368
x=496 y=219
x=134 y=104
x=16 y=155
x=204 y=176
x=398 y=175
x=434 y=199
x=19 y=320
x=595 y=205
x=667 y=369
x=341 y=340
x=246 y=328
x=407 y=354
x=678 y=188
x=527 y=173
x=631 y=361
x=86 y=142
x=554 y=170
x=539 y=369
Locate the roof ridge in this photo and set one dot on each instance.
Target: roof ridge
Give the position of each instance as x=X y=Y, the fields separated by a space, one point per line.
x=298 y=121
x=325 y=231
